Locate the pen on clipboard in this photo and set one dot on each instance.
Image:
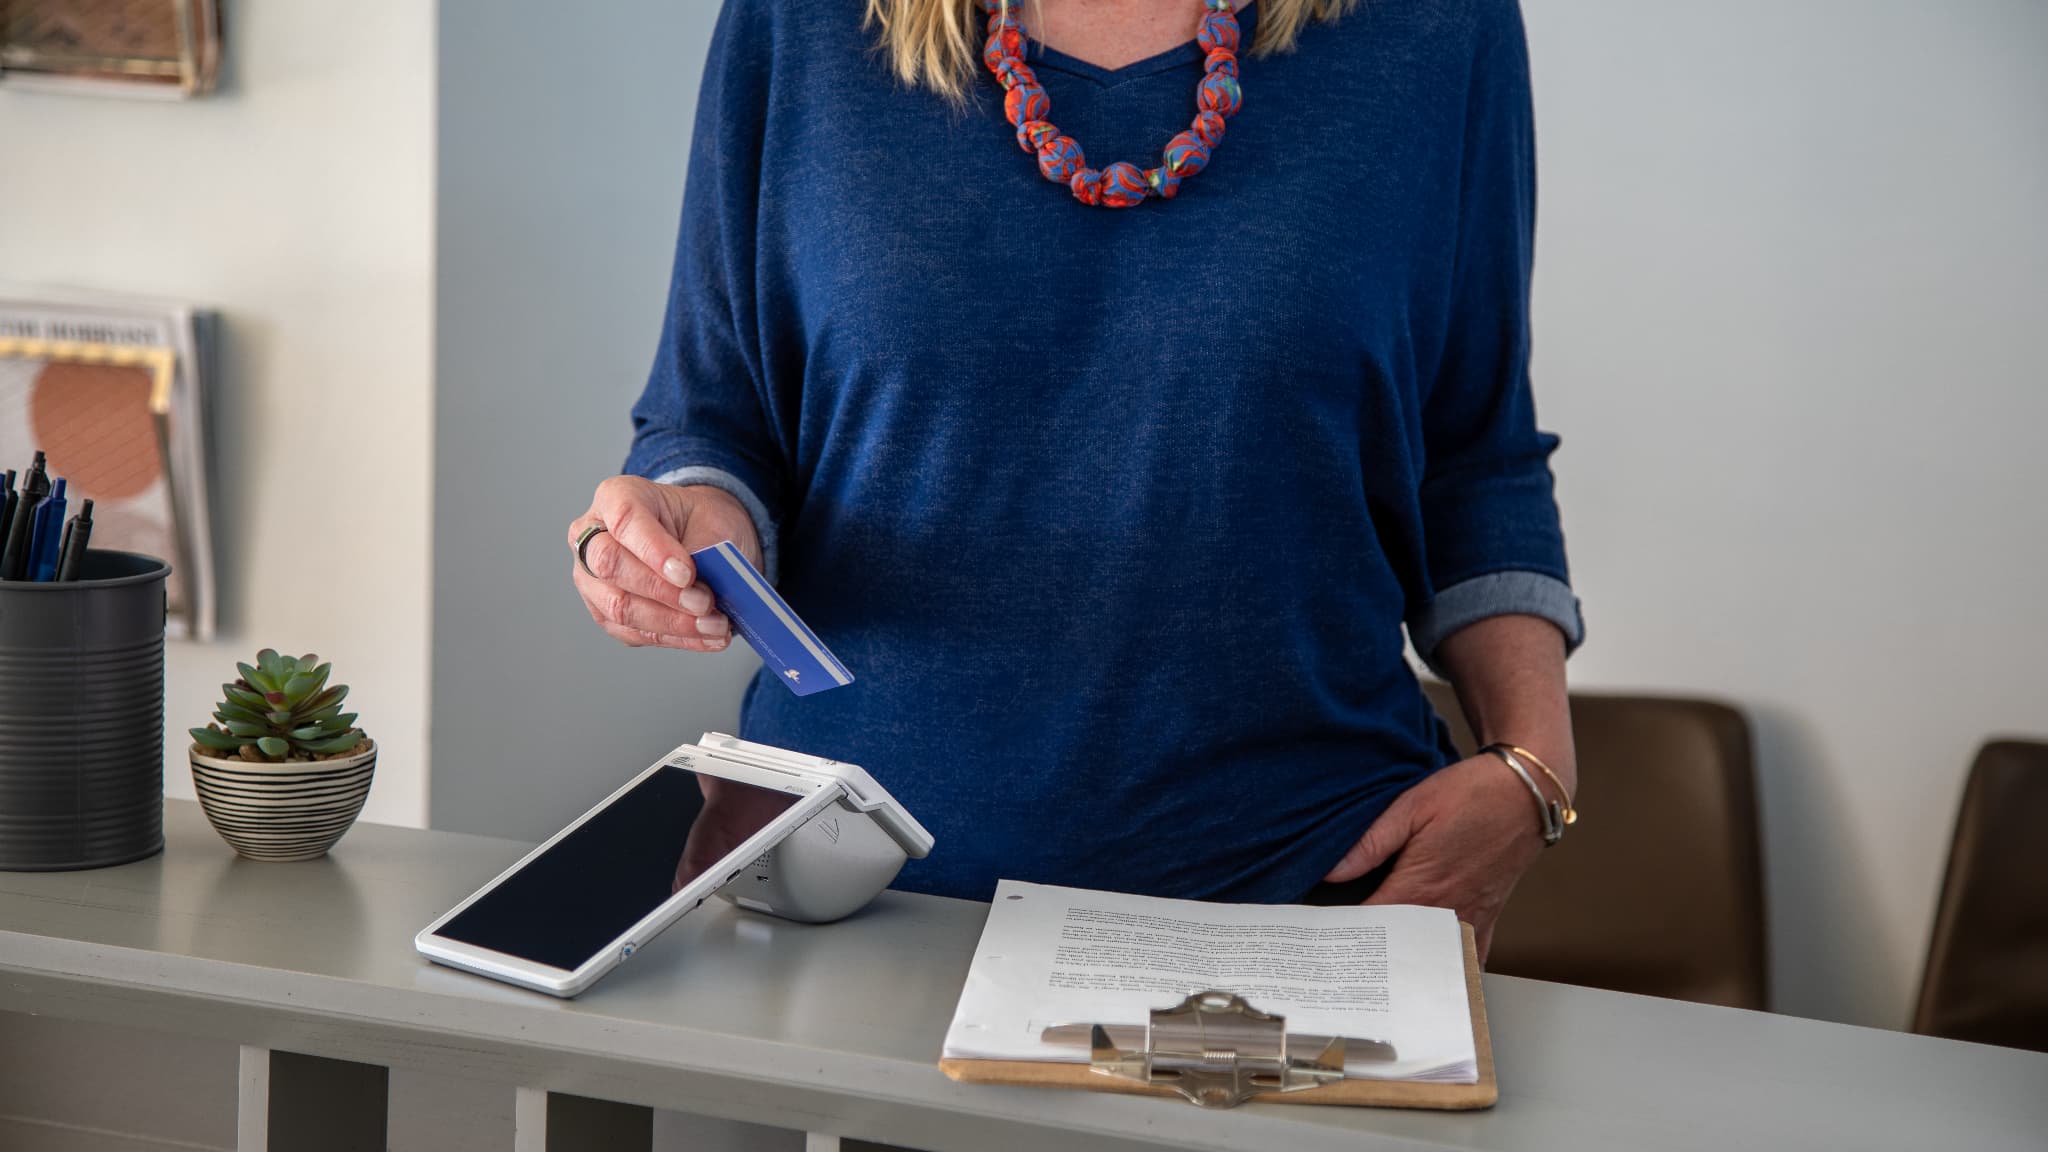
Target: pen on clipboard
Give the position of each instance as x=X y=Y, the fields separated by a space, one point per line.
x=1132 y=1036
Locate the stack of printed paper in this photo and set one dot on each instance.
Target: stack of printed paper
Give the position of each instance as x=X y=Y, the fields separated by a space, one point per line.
x=1052 y=957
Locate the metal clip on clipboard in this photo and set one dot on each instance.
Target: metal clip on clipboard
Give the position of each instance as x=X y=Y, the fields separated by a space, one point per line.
x=1217 y=1051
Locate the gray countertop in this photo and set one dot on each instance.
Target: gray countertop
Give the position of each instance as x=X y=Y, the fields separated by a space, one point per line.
x=837 y=1028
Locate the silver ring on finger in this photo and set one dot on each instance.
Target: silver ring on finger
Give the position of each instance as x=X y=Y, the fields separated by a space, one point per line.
x=583 y=540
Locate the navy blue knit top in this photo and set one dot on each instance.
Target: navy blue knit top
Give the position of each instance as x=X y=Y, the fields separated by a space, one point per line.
x=1118 y=516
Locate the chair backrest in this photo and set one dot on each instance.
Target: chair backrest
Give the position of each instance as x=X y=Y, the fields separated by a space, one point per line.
x=1658 y=889
x=1987 y=963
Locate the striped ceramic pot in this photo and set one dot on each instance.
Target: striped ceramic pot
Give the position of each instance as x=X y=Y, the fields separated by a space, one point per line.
x=292 y=811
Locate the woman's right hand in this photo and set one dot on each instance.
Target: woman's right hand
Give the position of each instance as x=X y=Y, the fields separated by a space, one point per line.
x=642 y=586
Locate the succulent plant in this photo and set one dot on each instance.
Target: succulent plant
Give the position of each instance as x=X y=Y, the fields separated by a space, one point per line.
x=281 y=709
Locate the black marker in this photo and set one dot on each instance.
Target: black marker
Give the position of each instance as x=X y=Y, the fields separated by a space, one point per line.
x=77 y=535
x=9 y=498
x=63 y=547
x=20 y=529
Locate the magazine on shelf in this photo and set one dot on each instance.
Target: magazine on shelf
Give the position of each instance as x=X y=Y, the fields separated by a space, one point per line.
x=141 y=456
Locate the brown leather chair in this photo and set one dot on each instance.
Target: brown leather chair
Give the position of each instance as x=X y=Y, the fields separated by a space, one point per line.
x=1658 y=889
x=1987 y=964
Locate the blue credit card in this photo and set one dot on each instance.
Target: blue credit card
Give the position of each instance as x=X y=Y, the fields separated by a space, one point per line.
x=785 y=643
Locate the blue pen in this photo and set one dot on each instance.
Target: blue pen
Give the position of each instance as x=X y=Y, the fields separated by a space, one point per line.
x=49 y=526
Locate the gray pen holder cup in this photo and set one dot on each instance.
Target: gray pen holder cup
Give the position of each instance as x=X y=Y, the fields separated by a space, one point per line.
x=82 y=716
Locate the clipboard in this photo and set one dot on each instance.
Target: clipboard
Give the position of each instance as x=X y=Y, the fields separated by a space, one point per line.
x=1351 y=1091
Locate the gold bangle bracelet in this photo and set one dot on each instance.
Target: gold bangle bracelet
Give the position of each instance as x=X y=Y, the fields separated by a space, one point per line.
x=1549 y=815
x=1571 y=814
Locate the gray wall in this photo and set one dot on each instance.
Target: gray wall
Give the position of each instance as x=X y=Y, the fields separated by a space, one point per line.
x=1792 y=274
x=562 y=149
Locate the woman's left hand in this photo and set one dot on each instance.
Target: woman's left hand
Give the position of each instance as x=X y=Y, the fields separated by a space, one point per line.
x=731 y=813
x=1458 y=840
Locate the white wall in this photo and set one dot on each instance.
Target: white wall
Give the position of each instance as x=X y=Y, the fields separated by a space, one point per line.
x=299 y=203
x=1791 y=290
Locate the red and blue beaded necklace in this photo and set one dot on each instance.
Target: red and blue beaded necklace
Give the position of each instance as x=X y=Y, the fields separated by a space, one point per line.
x=1122 y=184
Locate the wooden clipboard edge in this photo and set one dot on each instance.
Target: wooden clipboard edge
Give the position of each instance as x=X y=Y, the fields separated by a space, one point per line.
x=1355 y=1093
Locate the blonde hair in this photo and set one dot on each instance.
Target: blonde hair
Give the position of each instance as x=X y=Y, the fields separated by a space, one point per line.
x=937 y=43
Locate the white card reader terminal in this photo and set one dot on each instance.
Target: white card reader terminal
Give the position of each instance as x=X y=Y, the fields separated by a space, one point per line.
x=772 y=830
x=838 y=860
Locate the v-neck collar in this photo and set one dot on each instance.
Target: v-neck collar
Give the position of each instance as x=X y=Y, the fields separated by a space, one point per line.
x=1040 y=56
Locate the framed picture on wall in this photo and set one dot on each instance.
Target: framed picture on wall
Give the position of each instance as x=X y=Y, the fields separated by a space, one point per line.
x=159 y=47
x=104 y=415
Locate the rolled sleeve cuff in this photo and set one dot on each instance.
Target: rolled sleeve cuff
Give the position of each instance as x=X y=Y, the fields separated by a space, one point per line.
x=731 y=485
x=1496 y=594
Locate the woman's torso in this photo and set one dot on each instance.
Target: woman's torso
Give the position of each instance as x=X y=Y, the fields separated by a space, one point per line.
x=1113 y=514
